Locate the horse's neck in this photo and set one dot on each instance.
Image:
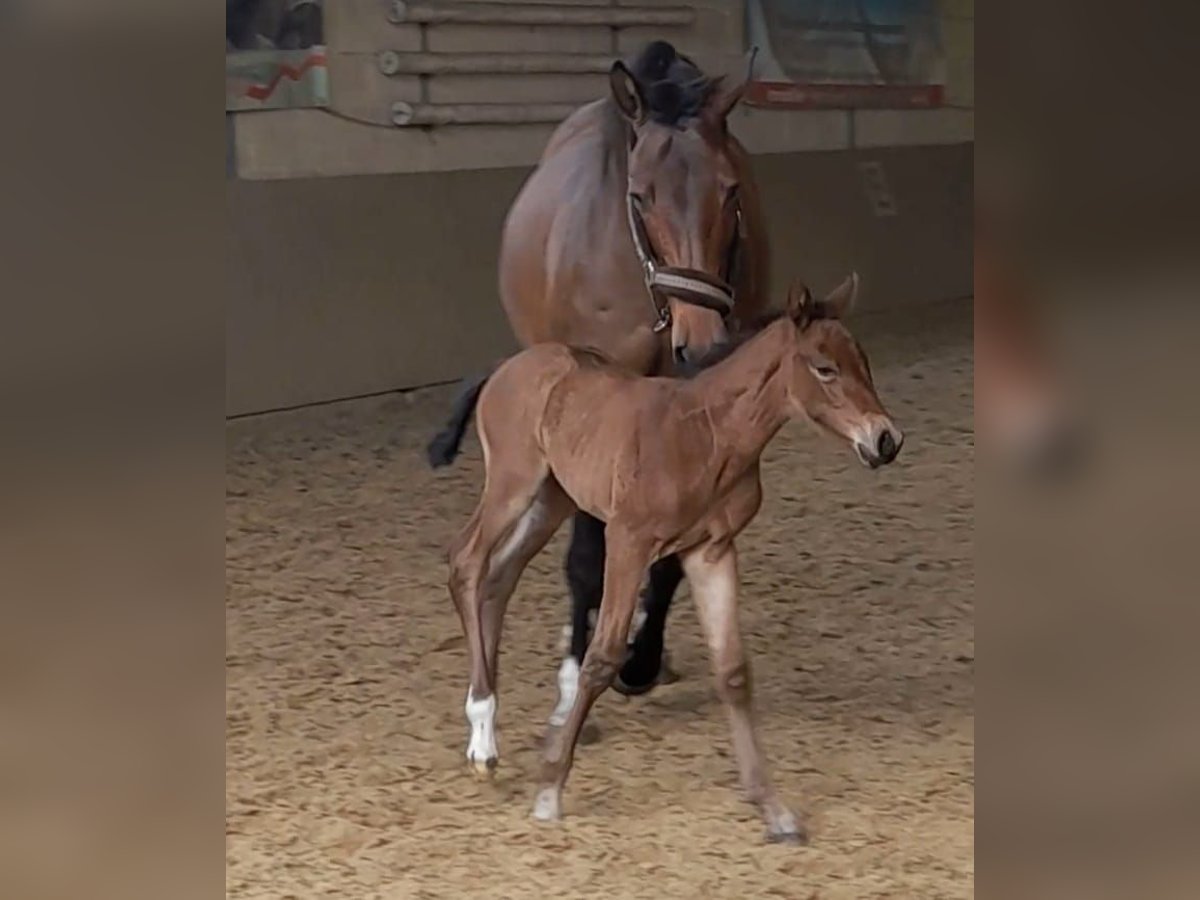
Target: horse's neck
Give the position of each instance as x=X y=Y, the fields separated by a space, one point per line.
x=745 y=396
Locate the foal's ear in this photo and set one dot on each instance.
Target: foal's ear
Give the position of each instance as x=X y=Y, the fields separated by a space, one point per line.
x=627 y=93
x=841 y=299
x=799 y=302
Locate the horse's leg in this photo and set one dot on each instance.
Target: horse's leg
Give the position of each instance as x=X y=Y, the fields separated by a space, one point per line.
x=647 y=661
x=504 y=504
x=526 y=539
x=624 y=566
x=712 y=572
x=585 y=578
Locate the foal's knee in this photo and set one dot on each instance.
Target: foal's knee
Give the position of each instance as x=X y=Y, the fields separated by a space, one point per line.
x=733 y=683
x=598 y=671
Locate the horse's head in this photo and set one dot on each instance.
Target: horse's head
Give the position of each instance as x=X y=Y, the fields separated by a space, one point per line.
x=683 y=194
x=831 y=379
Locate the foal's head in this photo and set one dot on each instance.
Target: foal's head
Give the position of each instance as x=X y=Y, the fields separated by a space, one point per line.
x=683 y=181
x=831 y=378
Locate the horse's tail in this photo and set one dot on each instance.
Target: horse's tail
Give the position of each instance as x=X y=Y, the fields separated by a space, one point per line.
x=444 y=447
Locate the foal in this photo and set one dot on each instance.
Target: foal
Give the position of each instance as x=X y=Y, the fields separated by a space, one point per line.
x=672 y=467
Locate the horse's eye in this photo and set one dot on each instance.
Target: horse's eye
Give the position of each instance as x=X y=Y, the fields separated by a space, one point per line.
x=639 y=199
x=731 y=194
x=824 y=372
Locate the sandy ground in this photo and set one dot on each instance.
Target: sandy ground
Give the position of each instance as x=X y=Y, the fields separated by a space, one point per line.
x=346 y=671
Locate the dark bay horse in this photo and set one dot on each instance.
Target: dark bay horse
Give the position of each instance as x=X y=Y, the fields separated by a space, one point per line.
x=639 y=234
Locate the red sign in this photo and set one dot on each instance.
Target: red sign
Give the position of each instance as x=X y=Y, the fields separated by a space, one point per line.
x=790 y=95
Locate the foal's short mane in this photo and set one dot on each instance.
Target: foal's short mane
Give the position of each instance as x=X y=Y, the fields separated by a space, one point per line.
x=720 y=352
x=814 y=312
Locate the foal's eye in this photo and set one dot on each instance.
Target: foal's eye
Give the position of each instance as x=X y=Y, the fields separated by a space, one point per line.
x=824 y=372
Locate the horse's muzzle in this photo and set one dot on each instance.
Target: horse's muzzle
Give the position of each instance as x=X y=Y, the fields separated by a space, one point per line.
x=881 y=449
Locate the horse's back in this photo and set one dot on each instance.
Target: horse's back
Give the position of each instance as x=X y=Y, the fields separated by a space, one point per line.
x=585 y=123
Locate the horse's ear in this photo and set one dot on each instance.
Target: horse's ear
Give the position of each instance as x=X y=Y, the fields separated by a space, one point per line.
x=841 y=299
x=723 y=100
x=627 y=93
x=799 y=302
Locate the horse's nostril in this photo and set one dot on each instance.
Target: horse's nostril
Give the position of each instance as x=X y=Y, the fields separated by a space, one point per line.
x=681 y=354
x=887 y=446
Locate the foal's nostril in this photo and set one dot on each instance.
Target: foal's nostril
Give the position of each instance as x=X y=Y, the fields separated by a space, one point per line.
x=887 y=447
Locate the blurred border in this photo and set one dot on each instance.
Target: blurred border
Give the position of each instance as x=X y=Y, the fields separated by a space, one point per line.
x=112 y=385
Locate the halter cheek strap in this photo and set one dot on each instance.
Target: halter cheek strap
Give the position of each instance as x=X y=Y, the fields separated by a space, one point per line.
x=689 y=285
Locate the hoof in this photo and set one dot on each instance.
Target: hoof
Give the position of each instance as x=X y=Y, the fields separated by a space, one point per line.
x=484 y=769
x=784 y=828
x=666 y=674
x=789 y=838
x=643 y=672
x=621 y=686
x=547 y=807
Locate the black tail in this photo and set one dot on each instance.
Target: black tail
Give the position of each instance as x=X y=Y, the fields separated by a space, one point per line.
x=444 y=447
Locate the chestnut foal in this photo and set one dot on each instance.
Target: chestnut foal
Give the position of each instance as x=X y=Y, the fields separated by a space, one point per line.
x=672 y=467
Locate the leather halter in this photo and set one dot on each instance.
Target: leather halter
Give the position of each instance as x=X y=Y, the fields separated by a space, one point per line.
x=689 y=285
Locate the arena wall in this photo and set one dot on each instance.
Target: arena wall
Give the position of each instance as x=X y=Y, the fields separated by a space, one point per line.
x=362 y=257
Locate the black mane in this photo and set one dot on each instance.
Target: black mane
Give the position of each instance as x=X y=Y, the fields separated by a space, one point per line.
x=674 y=88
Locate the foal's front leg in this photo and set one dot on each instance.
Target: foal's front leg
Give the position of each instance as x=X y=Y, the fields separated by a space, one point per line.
x=624 y=565
x=712 y=572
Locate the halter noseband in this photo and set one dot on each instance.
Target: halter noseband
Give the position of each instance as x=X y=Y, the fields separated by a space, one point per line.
x=690 y=285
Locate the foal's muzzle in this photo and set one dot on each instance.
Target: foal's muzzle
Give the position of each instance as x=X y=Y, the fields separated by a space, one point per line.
x=879 y=447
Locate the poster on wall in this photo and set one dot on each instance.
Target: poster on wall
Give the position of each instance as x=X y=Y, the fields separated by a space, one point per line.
x=275 y=55
x=838 y=54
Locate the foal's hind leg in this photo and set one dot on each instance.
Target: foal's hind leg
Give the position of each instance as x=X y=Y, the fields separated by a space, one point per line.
x=526 y=539
x=514 y=519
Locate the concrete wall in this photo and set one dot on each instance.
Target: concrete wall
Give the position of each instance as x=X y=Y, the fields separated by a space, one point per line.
x=362 y=141
x=385 y=277
x=346 y=286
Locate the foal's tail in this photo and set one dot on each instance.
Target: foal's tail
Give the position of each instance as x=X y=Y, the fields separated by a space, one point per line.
x=444 y=446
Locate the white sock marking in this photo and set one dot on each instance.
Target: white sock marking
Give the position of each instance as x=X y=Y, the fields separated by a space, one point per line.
x=547 y=806
x=568 y=687
x=482 y=716
x=639 y=619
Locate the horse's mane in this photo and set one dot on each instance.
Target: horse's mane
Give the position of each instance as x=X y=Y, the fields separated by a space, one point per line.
x=673 y=86
x=675 y=91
